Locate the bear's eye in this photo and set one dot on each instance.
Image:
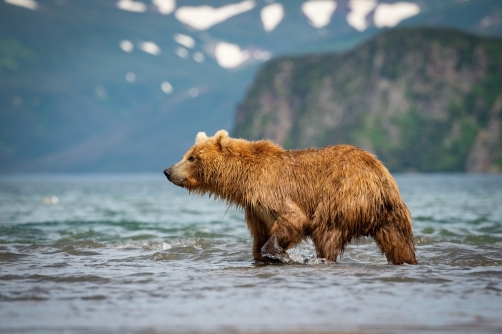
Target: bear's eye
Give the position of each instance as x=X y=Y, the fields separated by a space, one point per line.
x=191 y=158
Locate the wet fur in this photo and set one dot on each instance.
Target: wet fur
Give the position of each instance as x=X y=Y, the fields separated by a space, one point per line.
x=333 y=194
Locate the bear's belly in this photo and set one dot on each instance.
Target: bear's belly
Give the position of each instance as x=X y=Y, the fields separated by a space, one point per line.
x=290 y=212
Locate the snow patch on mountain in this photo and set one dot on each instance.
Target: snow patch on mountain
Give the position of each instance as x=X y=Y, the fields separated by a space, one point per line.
x=359 y=10
x=149 y=47
x=204 y=17
x=230 y=55
x=319 y=12
x=184 y=40
x=30 y=4
x=271 y=16
x=132 y=6
x=165 y=7
x=389 y=15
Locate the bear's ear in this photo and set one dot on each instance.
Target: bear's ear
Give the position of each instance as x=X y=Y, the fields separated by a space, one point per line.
x=200 y=137
x=220 y=137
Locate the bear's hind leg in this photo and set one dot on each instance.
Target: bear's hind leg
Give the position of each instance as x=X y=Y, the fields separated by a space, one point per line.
x=328 y=243
x=397 y=245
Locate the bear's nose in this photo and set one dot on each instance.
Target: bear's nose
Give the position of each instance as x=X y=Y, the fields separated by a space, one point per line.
x=167 y=173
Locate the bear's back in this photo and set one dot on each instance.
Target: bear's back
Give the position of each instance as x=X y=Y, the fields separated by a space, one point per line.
x=340 y=172
x=343 y=159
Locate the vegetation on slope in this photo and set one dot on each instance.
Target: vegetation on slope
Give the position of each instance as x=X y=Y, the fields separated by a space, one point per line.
x=421 y=99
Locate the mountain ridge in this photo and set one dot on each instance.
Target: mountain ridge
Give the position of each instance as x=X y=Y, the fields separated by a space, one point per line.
x=422 y=99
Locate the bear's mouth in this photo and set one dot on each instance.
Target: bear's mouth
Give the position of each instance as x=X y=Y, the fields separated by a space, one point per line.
x=179 y=183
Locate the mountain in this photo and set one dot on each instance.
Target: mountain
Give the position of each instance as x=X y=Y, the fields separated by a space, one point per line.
x=421 y=99
x=124 y=85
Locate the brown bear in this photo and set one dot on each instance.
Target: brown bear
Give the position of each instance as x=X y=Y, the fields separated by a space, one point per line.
x=333 y=195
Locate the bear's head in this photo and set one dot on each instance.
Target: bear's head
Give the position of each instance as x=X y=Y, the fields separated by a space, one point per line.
x=201 y=165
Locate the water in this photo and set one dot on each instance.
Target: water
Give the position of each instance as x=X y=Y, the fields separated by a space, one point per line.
x=133 y=253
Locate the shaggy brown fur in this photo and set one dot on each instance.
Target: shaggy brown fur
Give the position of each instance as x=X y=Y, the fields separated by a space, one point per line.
x=334 y=195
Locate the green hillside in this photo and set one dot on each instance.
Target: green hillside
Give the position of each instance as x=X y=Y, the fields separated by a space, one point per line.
x=421 y=99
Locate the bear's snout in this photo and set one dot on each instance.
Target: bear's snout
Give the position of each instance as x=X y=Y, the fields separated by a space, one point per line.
x=167 y=173
x=177 y=174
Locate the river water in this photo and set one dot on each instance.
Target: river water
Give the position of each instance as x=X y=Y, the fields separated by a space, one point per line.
x=135 y=254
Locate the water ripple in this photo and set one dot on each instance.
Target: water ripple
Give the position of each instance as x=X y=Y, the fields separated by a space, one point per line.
x=136 y=251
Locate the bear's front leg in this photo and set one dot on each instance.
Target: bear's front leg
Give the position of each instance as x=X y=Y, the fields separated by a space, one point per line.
x=286 y=232
x=259 y=232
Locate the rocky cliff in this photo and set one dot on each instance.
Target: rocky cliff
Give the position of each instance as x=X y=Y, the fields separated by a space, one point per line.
x=421 y=99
